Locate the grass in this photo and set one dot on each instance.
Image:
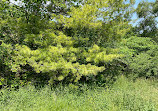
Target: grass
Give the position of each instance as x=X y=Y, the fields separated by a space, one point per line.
x=124 y=95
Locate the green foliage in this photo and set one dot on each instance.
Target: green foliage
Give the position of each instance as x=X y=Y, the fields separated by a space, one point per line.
x=124 y=95
x=62 y=42
x=96 y=22
x=141 y=56
x=147 y=25
x=5 y=59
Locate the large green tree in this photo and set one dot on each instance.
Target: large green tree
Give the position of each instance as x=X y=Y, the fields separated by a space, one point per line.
x=141 y=56
x=147 y=26
x=62 y=40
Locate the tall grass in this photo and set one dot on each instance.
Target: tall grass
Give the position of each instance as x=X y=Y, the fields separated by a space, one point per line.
x=124 y=95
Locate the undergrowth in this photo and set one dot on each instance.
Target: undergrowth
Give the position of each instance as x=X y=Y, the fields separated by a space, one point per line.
x=123 y=95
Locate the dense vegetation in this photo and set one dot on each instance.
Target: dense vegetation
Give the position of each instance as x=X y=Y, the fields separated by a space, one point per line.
x=123 y=96
x=76 y=42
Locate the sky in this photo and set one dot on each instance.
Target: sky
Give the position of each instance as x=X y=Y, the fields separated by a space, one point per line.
x=137 y=1
x=134 y=15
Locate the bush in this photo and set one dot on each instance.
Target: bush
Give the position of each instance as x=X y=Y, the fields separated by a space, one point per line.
x=141 y=55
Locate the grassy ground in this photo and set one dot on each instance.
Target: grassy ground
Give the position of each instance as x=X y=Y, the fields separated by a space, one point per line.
x=124 y=95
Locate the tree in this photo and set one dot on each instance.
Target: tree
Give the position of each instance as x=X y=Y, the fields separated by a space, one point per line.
x=140 y=56
x=147 y=13
x=66 y=43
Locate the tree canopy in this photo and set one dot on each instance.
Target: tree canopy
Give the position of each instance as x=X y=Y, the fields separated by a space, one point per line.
x=65 y=41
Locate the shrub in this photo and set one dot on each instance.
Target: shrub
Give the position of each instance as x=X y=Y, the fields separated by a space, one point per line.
x=141 y=55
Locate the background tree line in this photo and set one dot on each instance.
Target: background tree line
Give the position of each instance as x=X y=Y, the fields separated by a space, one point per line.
x=75 y=41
